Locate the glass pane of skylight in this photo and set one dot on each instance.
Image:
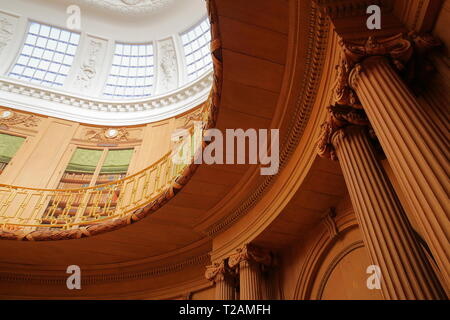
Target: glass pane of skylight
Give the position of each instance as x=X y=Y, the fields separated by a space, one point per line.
x=47 y=55
x=132 y=72
x=196 y=44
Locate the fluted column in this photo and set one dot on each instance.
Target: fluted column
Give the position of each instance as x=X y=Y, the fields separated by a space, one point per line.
x=222 y=276
x=250 y=280
x=248 y=260
x=388 y=236
x=387 y=233
x=415 y=150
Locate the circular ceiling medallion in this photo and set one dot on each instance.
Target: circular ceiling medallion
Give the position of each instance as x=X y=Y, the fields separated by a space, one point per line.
x=130 y=6
x=6 y=114
x=111 y=133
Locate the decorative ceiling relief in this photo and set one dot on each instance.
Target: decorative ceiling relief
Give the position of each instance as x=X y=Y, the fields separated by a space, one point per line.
x=130 y=6
x=91 y=64
x=167 y=66
x=7 y=26
x=10 y=118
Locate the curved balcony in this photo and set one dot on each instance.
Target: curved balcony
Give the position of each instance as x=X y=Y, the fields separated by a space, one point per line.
x=60 y=214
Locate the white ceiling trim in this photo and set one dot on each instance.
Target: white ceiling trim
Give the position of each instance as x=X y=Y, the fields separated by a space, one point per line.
x=27 y=97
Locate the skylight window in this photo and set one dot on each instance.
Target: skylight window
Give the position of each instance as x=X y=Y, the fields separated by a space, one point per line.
x=132 y=72
x=196 y=44
x=47 y=55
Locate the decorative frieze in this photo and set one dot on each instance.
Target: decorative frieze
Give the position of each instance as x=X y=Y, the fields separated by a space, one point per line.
x=107 y=135
x=10 y=118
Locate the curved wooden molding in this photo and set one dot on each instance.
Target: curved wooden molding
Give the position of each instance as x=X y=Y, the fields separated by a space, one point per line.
x=296 y=120
x=93 y=279
x=322 y=245
x=353 y=246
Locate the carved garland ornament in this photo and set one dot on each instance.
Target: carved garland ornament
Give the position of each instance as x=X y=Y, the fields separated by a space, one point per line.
x=10 y=118
x=107 y=135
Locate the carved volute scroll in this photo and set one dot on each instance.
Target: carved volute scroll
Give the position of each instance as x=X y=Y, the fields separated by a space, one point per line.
x=330 y=223
x=219 y=271
x=250 y=253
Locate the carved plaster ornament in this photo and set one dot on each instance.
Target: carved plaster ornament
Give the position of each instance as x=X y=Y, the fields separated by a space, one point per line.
x=107 y=134
x=6 y=33
x=10 y=118
x=130 y=6
x=168 y=68
x=88 y=69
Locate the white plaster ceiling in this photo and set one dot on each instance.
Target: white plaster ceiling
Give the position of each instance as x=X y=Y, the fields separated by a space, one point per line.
x=130 y=6
x=103 y=24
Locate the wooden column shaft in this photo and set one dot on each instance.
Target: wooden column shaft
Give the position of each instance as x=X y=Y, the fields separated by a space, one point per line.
x=415 y=149
x=250 y=280
x=225 y=289
x=406 y=274
x=222 y=276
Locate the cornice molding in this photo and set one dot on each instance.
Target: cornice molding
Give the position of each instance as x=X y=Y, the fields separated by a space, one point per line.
x=104 y=277
x=27 y=97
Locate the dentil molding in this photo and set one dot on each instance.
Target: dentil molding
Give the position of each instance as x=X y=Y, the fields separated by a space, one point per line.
x=27 y=97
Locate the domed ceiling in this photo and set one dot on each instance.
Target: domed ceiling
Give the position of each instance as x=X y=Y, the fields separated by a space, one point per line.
x=131 y=6
x=129 y=62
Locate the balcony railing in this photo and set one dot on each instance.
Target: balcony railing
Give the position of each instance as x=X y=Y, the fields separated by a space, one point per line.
x=46 y=208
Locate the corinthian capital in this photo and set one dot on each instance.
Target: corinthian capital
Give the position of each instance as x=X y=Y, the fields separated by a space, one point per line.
x=250 y=253
x=218 y=271
x=406 y=52
x=339 y=118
